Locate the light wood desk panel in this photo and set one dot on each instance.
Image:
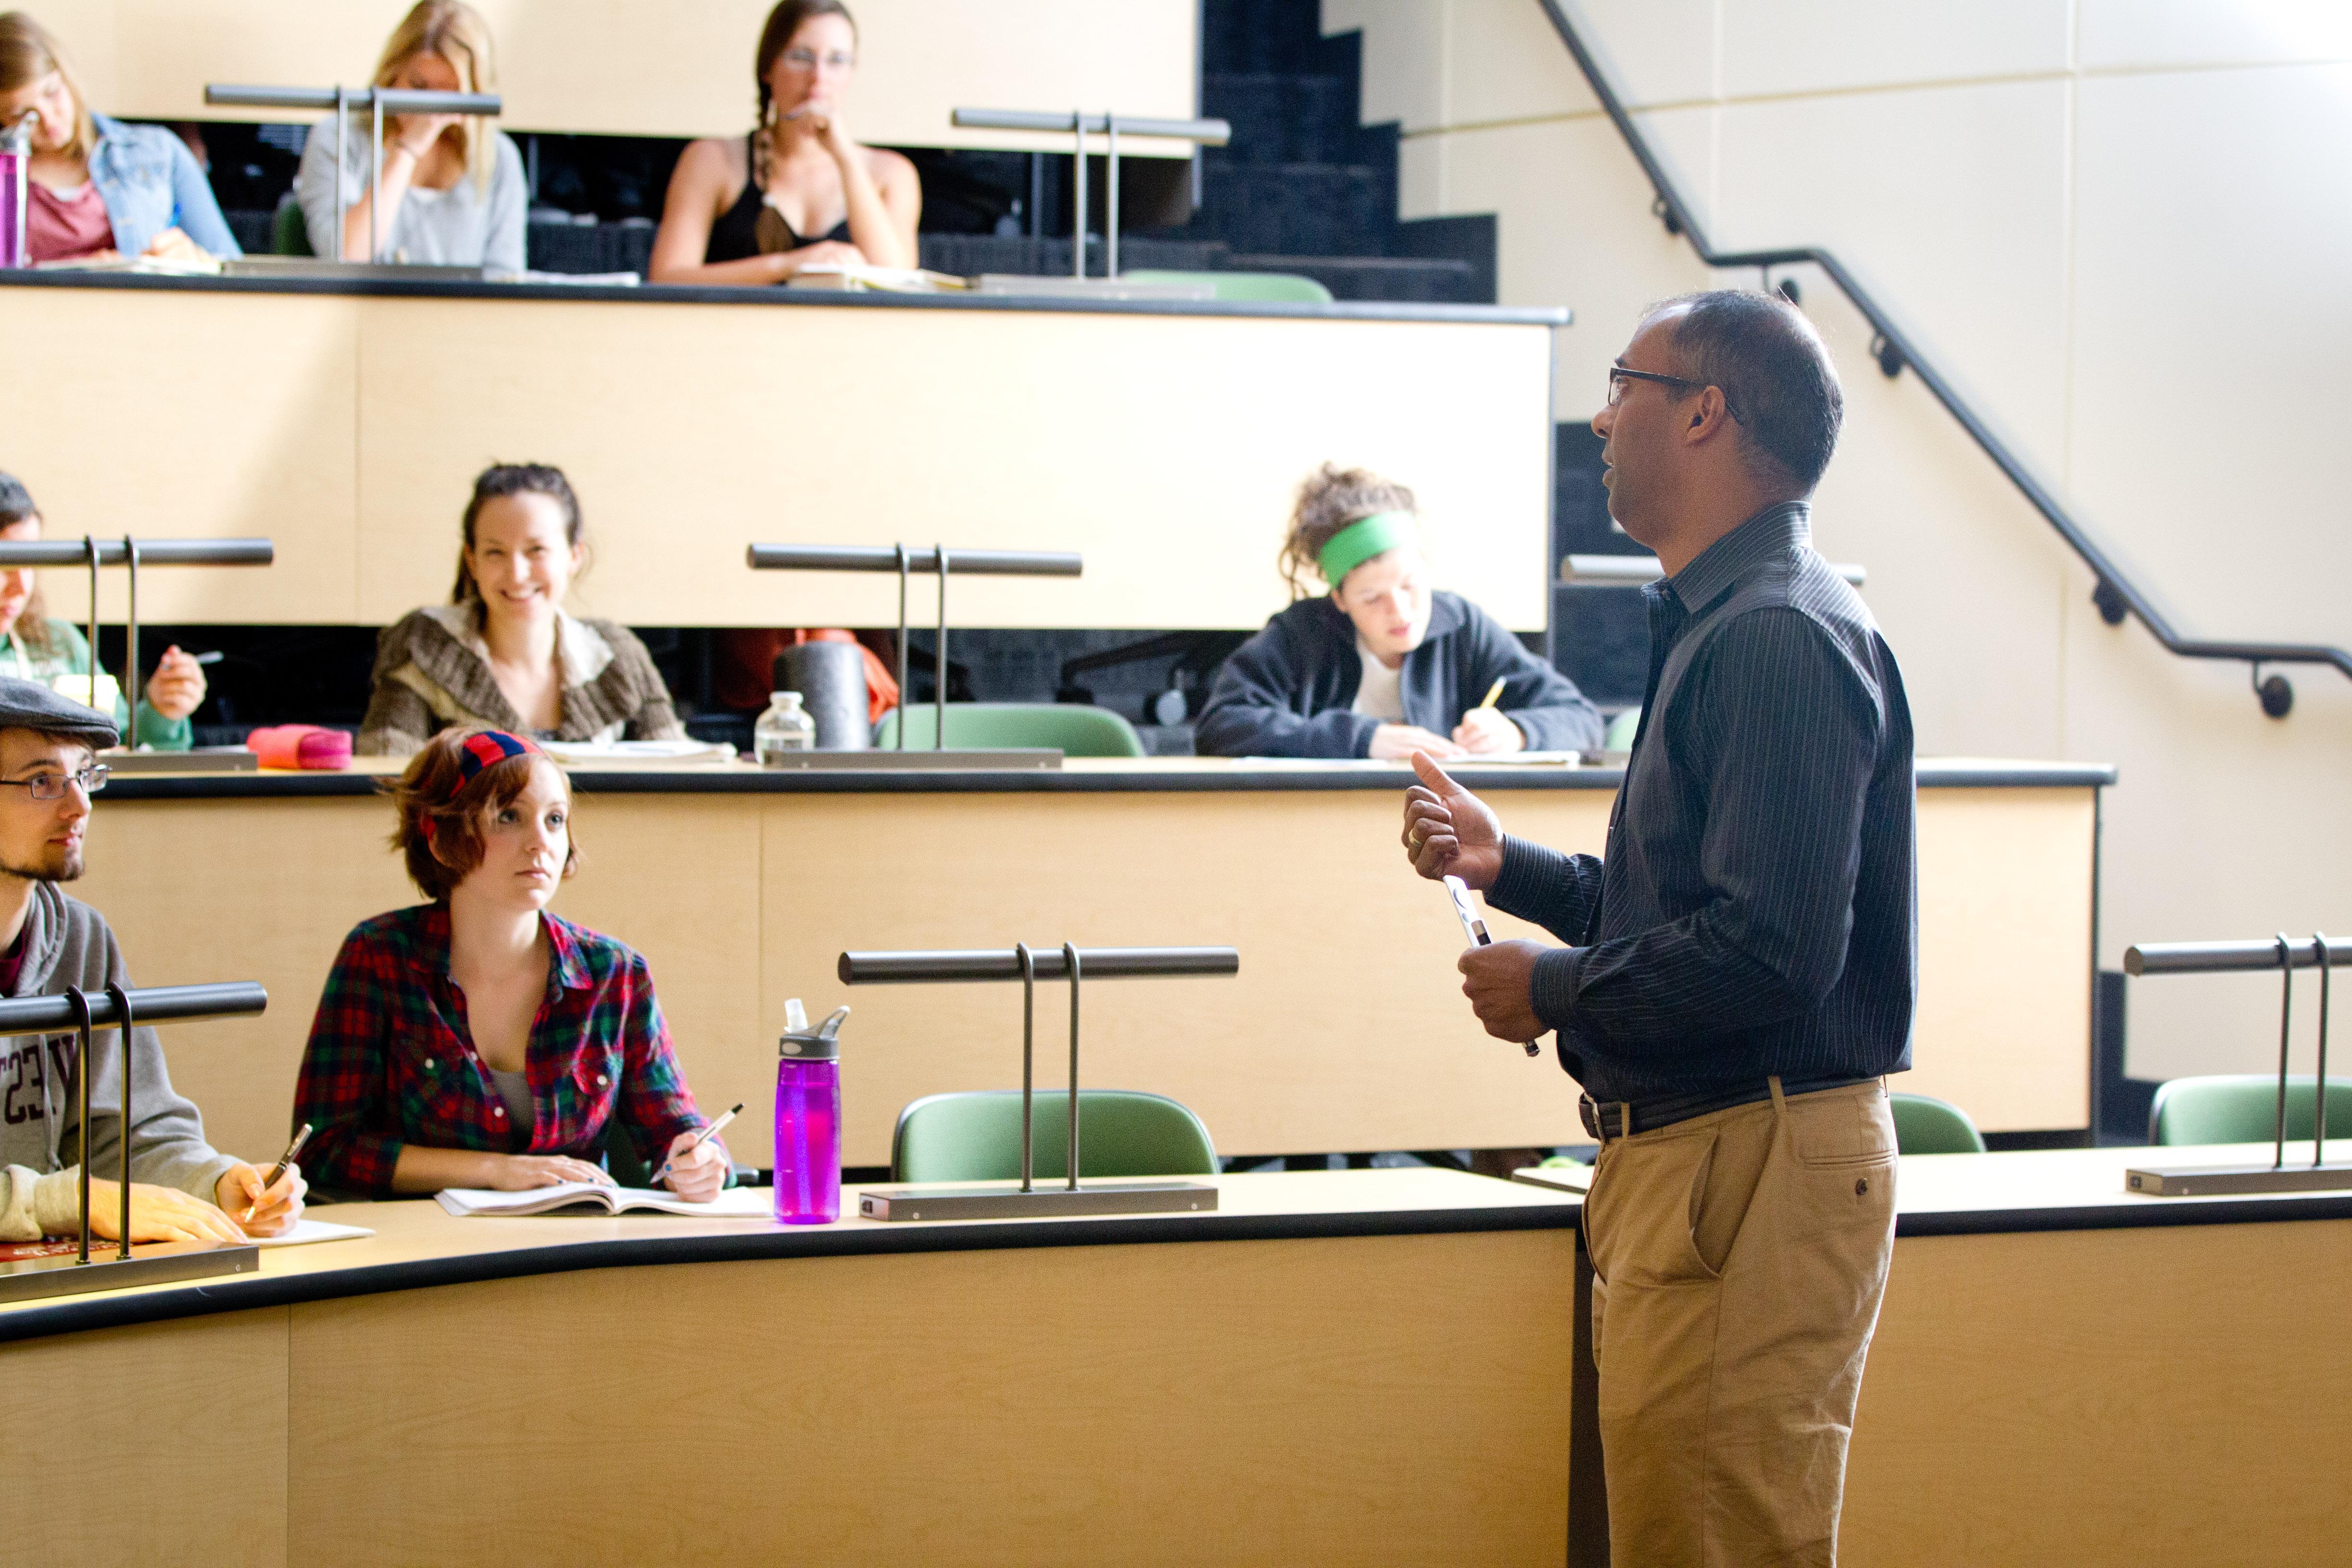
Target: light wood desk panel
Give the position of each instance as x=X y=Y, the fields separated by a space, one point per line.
x=1163 y=440
x=1344 y=1030
x=616 y=68
x=172 y=416
x=2138 y=1398
x=1138 y=1389
x=155 y=1443
x=1167 y=1404
x=1165 y=448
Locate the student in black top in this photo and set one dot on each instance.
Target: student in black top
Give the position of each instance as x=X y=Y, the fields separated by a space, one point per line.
x=798 y=191
x=1383 y=666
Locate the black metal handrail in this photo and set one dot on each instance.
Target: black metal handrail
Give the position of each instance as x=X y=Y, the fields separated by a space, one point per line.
x=2115 y=594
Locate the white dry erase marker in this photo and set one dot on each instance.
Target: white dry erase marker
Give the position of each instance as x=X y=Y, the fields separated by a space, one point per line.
x=1475 y=930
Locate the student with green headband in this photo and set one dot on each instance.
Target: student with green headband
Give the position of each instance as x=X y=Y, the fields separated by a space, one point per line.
x=1383 y=665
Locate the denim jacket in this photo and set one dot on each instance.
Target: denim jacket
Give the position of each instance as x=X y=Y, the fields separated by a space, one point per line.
x=150 y=181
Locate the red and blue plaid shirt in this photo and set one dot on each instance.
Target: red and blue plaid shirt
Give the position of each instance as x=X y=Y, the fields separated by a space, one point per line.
x=391 y=1059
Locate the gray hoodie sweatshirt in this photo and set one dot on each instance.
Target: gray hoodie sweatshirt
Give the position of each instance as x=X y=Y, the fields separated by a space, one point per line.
x=67 y=942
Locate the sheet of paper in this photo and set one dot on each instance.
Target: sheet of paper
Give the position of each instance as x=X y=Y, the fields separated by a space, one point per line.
x=306 y=1231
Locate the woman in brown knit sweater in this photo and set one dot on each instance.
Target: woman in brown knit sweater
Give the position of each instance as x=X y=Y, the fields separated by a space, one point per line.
x=502 y=652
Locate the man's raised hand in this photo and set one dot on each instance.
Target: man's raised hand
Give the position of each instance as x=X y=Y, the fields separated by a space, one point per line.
x=1448 y=831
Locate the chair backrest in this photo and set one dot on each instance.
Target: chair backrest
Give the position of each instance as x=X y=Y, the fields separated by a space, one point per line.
x=1078 y=730
x=1244 y=288
x=289 y=235
x=2242 y=1107
x=976 y=1137
x=1619 y=736
x=1926 y=1125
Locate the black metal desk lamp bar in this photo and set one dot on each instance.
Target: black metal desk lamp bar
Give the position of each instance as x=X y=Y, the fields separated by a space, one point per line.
x=1077 y=122
x=95 y=552
x=2286 y=956
x=1028 y=965
x=898 y=558
x=156 y=1004
x=341 y=100
x=83 y=1014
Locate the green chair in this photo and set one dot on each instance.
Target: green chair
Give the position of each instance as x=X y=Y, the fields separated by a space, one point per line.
x=2242 y=1107
x=1619 y=736
x=289 y=235
x=1244 y=288
x=976 y=1137
x=1926 y=1125
x=1078 y=731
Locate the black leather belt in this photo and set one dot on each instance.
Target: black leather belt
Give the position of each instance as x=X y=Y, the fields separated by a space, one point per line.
x=1610 y=1120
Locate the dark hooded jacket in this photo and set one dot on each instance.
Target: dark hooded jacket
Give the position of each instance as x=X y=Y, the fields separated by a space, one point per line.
x=1288 y=691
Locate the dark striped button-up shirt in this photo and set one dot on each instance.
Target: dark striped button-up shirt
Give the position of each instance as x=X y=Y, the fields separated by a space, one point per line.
x=1755 y=913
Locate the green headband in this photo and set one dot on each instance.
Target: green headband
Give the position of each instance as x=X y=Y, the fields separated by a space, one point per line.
x=1360 y=541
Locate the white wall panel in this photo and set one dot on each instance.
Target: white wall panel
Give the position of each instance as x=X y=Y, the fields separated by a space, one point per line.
x=2214 y=328
x=1404 y=58
x=1504 y=62
x=1966 y=579
x=1654 y=51
x=1951 y=204
x=1772 y=47
x=2139 y=35
x=1578 y=226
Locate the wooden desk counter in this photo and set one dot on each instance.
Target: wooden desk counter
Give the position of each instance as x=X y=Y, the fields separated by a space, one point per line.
x=1345 y=1029
x=1162 y=440
x=1171 y=1389
x=2068 y=1372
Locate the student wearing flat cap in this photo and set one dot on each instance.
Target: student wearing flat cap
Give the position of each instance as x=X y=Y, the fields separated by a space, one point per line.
x=182 y=1188
x=1383 y=665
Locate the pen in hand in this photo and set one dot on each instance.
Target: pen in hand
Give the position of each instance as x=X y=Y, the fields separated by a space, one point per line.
x=301 y=1136
x=705 y=1136
x=1495 y=692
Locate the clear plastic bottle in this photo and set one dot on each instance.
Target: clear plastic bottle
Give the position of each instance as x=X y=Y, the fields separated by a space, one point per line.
x=784 y=727
x=808 y=1119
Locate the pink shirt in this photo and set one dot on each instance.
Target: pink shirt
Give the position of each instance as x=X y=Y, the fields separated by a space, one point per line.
x=61 y=228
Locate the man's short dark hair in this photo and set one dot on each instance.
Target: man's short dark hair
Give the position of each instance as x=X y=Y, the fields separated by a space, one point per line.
x=1775 y=374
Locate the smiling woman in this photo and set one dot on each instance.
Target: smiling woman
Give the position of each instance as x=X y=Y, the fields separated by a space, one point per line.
x=478 y=1040
x=503 y=652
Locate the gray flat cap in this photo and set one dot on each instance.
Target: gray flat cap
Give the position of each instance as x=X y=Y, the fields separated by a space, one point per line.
x=29 y=705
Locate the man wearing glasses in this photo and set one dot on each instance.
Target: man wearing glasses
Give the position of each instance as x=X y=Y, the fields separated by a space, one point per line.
x=182 y=1189
x=1740 y=970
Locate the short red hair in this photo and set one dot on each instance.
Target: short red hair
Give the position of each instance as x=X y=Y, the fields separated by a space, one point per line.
x=441 y=809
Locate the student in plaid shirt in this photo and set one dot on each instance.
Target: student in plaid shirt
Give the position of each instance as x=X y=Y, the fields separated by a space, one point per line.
x=479 y=1041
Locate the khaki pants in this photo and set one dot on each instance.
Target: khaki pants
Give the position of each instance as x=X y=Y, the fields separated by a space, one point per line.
x=1738 y=1260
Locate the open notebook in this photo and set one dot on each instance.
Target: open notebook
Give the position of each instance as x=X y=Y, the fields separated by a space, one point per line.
x=593 y=1198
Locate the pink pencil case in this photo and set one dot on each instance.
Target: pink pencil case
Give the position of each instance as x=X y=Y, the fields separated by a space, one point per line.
x=301 y=747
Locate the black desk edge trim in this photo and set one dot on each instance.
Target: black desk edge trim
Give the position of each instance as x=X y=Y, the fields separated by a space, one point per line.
x=2140 y=1214
x=692 y=294
x=81 y=1314
x=247 y=786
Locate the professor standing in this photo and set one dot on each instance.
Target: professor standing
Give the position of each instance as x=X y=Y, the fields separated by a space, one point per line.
x=1741 y=969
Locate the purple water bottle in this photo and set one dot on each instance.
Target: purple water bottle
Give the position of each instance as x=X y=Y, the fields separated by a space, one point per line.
x=16 y=159
x=808 y=1119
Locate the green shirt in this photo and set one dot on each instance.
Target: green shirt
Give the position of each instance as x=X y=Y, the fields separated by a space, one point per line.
x=67 y=654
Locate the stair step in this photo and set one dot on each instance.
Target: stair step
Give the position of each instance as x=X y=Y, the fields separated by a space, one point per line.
x=1283 y=119
x=1391 y=280
x=1298 y=210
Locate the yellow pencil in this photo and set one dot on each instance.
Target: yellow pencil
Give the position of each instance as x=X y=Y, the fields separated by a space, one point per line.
x=1494 y=693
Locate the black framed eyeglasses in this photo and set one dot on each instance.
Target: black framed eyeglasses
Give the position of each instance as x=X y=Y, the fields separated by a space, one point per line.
x=52 y=786
x=1619 y=376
